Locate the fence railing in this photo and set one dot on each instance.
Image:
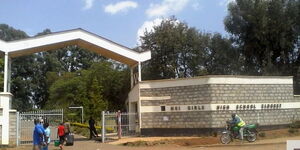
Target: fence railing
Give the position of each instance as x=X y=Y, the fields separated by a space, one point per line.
x=117 y=125
x=26 y=123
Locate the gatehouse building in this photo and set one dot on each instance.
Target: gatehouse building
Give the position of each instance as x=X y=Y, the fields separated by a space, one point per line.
x=200 y=105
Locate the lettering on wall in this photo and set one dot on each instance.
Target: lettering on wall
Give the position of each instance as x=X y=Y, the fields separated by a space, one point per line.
x=196 y=107
x=175 y=108
x=270 y=106
x=245 y=107
x=222 y=107
x=227 y=107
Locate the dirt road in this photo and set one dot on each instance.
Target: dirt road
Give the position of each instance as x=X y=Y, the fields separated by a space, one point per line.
x=84 y=144
x=194 y=143
x=90 y=145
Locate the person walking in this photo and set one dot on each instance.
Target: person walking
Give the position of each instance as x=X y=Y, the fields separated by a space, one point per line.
x=47 y=139
x=38 y=135
x=61 y=135
x=93 y=132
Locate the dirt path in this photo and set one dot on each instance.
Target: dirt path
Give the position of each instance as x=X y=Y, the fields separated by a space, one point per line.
x=91 y=145
x=84 y=144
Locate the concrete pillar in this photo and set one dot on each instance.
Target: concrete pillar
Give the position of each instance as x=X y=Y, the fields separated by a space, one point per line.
x=131 y=77
x=5 y=100
x=6 y=68
x=5 y=103
x=9 y=75
x=140 y=71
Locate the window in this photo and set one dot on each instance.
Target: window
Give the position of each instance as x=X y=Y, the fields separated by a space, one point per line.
x=163 y=108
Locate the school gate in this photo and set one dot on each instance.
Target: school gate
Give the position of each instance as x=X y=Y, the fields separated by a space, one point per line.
x=118 y=124
x=53 y=41
x=25 y=124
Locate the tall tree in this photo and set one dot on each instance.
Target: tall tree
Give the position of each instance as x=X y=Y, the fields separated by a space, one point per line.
x=101 y=87
x=181 y=51
x=172 y=45
x=266 y=32
x=21 y=71
x=67 y=59
x=95 y=103
x=222 y=58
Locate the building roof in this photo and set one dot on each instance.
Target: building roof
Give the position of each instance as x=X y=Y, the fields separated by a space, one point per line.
x=78 y=37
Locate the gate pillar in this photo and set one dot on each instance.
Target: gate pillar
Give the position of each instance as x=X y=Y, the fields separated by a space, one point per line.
x=5 y=104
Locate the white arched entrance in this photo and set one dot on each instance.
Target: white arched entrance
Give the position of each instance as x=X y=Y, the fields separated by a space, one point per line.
x=57 y=40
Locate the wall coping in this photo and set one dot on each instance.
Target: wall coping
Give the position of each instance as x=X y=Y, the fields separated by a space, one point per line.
x=6 y=93
x=217 y=79
x=12 y=110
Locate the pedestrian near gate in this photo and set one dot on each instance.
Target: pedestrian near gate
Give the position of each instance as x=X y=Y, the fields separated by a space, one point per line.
x=118 y=124
x=26 y=123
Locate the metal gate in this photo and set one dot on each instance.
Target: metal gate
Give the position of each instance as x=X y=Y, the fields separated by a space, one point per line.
x=117 y=125
x=26 y=124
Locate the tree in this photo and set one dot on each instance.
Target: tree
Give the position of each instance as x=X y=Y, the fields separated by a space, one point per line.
x=266 y=32
x=172 y=45
x=101 y=87
x=21 y=70
x=68 y=59
x=222 y=58
x=181 y=51
x=95 y=103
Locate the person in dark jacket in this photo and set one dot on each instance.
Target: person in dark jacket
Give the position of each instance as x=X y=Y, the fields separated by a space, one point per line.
x=93 y=132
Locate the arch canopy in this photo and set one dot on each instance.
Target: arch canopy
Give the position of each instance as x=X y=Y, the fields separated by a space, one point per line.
x=80 y=37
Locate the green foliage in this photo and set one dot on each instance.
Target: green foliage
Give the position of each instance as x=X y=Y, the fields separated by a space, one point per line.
x=293 y=130
x=8 y=33
x=35 y=76
x=262 y=134
x=97 y=89
x=95 y=103
x=181 y=51
x=83 y=125
x=267 y=33
x=83 y=129
x=295 y=124
x=21 y=71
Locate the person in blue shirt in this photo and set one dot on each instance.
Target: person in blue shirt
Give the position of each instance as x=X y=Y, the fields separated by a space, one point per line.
x=38 y=135
x=47 y=139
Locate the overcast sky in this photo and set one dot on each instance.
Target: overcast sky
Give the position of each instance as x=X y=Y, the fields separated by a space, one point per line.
x=122 y=21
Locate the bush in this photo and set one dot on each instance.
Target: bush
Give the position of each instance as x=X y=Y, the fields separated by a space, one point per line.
x=262 y=134
x=293 y=130
x=214 y=134
x=295 y=124
x=83 y=129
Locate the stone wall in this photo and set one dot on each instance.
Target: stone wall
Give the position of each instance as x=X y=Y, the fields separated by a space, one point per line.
x=12 y=128
x=205 y=94
x=297 y=82
x=200 y=121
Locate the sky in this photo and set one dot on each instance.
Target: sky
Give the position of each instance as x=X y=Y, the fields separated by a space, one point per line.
x=121 y=21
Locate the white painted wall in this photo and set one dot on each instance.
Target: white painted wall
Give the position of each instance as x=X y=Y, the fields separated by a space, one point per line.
x=216 y=80
x=5 y=99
